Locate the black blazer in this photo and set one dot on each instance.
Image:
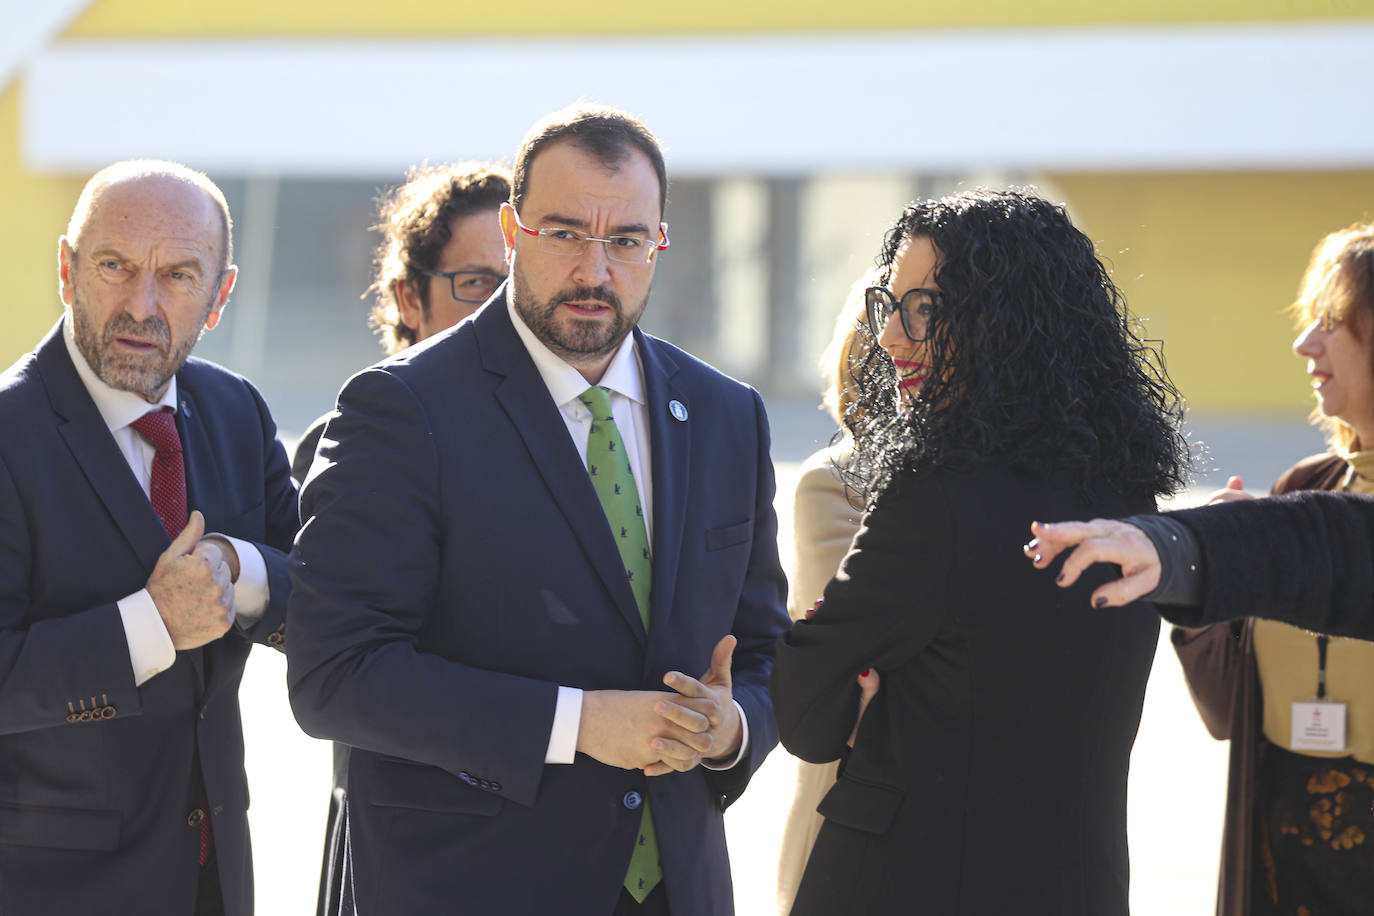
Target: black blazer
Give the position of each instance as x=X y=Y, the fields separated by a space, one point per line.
x=456 y=567
x=93 y=810
x=989 y=773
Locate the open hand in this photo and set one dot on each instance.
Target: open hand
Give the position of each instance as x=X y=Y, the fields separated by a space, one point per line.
x=1098 y=541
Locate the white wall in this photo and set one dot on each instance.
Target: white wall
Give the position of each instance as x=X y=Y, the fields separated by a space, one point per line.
x=1237 y=96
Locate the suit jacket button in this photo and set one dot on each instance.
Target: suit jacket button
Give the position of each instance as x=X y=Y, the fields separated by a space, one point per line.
x=482 y=783
x=632 y=800
x=466 y=777
x=194 y=818
x=495 y=786
x=107 y=712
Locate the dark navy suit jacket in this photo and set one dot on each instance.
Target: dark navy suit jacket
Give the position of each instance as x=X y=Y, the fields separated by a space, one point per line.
x=94 y=808
x=455 y=567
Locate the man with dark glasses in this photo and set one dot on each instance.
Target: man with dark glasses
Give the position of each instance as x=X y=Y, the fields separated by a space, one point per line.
x=441 y=256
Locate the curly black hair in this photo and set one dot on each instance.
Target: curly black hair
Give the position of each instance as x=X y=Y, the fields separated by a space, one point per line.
x=1034 y=362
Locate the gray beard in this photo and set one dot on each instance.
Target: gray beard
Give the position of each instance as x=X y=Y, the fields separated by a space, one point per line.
x=141 y=376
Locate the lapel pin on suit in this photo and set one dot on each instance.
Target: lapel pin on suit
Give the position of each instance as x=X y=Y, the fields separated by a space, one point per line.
x=185 y=408
x=678 y=410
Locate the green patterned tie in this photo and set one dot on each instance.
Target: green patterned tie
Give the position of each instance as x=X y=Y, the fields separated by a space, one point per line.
x=614 y=482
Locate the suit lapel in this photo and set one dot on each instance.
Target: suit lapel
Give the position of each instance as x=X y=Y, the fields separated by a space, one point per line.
x=670 y=440
x=83 y=429
x=525 y=398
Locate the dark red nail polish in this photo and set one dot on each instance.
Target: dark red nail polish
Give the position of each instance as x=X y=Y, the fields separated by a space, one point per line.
x=864 y=673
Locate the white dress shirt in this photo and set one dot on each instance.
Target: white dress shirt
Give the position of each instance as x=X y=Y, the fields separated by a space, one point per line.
x=624 y=379
x=150 y=646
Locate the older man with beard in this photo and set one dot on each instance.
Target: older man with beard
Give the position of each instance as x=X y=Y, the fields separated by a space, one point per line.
x=518 y=532
x=124 y=625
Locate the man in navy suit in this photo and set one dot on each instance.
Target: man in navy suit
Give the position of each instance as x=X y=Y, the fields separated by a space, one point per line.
x=124 y=625
x=466 y=617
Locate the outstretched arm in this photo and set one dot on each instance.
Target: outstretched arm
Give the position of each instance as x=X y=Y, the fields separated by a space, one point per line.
x=1098 y=541
x=1305 y=558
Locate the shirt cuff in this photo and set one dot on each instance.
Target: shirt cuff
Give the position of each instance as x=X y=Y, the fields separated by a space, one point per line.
x=251 y=591
x=1180 y=560
x=567 y=718
x=743 y=744
x=150 y=647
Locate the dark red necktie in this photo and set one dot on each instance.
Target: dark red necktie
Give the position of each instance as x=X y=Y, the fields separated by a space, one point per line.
x=167 y=488
x=167 y=493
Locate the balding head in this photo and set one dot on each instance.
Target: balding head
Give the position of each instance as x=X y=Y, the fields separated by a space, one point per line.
x=152 y=173
x=145 y=271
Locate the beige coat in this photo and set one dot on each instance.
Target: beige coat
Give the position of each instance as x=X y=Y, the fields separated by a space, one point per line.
x=823 y=525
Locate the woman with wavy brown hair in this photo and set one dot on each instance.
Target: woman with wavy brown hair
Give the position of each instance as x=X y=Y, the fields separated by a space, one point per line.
x=1299 y=831
x=988 y=774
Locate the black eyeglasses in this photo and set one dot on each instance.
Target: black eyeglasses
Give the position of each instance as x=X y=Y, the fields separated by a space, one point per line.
x=467 y=285
x=915 y=307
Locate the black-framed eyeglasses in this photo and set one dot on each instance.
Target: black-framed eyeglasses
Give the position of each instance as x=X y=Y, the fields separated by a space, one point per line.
x=467 y=285
x=630 y=249
x=915 y=307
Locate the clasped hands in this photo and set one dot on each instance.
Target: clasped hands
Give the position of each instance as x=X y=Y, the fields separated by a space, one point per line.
x=192 y=585
x=661 y=732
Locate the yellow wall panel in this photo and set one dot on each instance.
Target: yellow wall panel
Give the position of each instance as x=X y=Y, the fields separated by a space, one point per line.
x=1212 y=260
x=36 y=211
x=441 y=18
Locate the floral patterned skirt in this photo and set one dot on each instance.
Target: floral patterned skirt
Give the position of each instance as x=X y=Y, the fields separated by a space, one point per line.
x=1314 y=820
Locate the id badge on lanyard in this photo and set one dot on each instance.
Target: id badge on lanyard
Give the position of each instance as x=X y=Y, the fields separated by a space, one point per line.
x=1319 y=725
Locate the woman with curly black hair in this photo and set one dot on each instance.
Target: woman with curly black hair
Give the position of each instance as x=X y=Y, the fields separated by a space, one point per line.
x=988 y=774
